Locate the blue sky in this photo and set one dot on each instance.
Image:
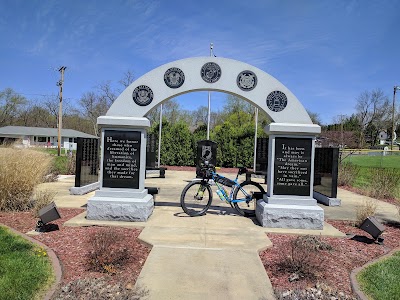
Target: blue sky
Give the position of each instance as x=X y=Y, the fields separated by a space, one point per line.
x=326 y=52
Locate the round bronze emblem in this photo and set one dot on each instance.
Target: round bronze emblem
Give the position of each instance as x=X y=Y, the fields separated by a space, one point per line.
x=174 y=78
x=142 y=95
x=246 y=80
x=276 y=101
x=211 y=72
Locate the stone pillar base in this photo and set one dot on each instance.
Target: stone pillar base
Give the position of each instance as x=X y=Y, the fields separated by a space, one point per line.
x=120 y=209
x=289 y=216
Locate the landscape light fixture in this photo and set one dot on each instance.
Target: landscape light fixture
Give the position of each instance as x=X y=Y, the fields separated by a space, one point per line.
x=396 y=87
x=47 y=214
x=374 y=228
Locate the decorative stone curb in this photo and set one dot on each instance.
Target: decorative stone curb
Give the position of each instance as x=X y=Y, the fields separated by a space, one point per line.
x=353 y=275
x=53 y=259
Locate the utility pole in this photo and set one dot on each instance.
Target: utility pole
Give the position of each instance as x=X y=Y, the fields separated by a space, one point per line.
x=60 y=84
x=393 y=112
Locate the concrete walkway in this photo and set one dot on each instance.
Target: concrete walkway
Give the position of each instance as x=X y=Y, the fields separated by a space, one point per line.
x=209 y=257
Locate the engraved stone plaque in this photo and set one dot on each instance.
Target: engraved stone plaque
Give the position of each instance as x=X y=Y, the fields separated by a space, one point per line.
x=121 y=161
x=292 y=166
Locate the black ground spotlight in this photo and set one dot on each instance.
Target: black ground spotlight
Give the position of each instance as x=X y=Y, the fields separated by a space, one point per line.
x=47 y=214
x=374 y=228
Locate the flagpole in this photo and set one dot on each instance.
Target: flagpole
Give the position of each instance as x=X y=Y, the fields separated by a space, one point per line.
x=209 y=102
x=255 y=139
x=159 y=137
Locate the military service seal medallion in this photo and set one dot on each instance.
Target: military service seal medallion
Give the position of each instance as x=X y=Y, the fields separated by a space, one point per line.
x=142 y=95
x=276 y=101
x=211 y=72
x=246 y=80
x=174 y=78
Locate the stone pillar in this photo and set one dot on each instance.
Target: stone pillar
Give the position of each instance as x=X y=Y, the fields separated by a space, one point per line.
x=289 y=201
x=122 y=196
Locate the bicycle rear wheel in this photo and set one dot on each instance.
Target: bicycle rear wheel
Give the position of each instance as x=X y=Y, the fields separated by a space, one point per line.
x=196 y=198
x=250 y=191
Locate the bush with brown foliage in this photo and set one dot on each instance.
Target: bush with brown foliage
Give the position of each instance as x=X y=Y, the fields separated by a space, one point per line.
x=107 y=252
x=303 y=256
x=385 y=183
x=348 y=172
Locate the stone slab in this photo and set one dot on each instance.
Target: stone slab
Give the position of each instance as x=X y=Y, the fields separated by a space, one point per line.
x=290 y=200
x=123 y=193
x=120 y=209
x=328 y=201
x=289 y=216
x=82 y=190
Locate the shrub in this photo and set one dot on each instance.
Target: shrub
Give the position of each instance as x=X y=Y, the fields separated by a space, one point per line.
x=304 y=258
x=367 y=209
x=384 y=183
x=41 y=199
x=71 y=164
x=348 y=172
x=107 y=251
x=100 y=289
x=20 y=171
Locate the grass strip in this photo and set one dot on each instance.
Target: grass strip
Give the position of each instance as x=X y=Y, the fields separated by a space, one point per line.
x=381 y=281
x=25 y=269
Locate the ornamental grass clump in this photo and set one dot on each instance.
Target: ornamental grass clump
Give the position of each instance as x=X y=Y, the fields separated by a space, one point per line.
x=365 y=210
x=20 y=171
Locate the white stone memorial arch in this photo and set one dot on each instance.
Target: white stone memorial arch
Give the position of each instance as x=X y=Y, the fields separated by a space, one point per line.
x=122 y=195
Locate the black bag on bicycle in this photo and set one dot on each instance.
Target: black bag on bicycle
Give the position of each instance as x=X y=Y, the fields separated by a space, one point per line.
x=224 y=181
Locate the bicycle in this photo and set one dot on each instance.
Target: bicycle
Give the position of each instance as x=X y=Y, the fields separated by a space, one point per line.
x=197 y=196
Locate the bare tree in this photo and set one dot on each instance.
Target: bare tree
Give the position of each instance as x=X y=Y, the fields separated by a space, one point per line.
x=373 y=109
x=315 y=118
x=11 y=104
x=127 y=79
x=200 y=116
x=93 y=107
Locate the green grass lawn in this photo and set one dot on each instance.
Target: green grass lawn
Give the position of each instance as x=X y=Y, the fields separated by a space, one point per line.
x=381 y=281
x=390 y=161
x=60 y=163
x=25 y=270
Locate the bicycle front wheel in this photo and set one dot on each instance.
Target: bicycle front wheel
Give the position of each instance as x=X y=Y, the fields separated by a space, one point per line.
x=249 y=191
x=196 y=198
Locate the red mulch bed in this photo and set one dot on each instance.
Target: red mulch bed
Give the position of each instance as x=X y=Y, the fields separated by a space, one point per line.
x=346 y=255
x=71 y=244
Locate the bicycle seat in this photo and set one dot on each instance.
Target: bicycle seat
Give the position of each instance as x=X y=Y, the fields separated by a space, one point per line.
x=242 y=170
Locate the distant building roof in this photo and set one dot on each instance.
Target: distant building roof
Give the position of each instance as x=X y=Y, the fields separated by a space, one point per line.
x=20 y=131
